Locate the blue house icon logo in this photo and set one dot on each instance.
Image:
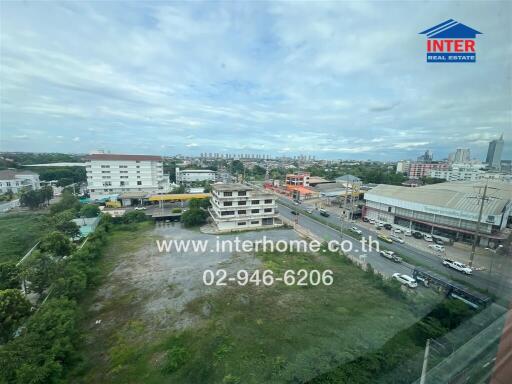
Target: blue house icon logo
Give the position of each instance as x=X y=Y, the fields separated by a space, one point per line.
x=451 y=42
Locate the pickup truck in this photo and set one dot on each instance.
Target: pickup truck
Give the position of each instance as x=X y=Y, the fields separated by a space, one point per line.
x=457 y=266
x=391 y=256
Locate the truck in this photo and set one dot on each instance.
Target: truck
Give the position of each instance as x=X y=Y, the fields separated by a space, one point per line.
x=457 y=266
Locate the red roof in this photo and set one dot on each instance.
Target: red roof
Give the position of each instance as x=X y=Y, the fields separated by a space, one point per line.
x=112 y=157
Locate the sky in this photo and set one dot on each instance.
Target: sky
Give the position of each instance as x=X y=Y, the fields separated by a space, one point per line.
x=338 y=80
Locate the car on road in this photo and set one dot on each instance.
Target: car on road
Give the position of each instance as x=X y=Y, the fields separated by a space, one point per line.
x=397 y=230
x=295 y=202
x=324 y=213
x=458 y=266
x=391 y=256
x=372 y=221
x=356 y=230
x=388 y=226
x=384 y=238
x=437 y=240
x=140 y=208
x=397 y=238
x=427 y=238
x=407 y=232
x=309 y=210
x=436 y=247
x=405 y=279
x=417 y=235
x=365 y=219
x=294 y=213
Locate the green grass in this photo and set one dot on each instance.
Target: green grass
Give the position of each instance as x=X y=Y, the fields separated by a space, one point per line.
x=260 y=334
x=19 y=233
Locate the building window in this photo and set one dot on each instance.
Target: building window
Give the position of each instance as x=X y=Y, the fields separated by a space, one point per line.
x=107 y=184
x=123 y=166
x=228 y=203
x=242 y=212
x=241 y=223
x=105 y=171
x=268 y=209
x=268 y=201
x=242 y=203
x=137 y=161
x=105 y=166
x=124 y=177
x=123 y=171
x=105 y=177
x=227 y=213
x=255 y=222
x=242 y=193
x=255 y=202
x=139 y=182
x=228 y=194
x=255 y=211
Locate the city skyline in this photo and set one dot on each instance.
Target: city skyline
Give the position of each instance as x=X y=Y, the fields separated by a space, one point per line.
x=261 y=78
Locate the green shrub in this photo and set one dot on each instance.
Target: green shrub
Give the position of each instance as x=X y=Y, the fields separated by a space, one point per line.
x=176 y=358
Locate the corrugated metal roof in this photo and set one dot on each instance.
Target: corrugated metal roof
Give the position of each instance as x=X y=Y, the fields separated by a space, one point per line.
x=464 y=196
x=112 y=157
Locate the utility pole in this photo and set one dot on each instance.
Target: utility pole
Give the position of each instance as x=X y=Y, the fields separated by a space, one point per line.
x=425 y=363
x=477 y=229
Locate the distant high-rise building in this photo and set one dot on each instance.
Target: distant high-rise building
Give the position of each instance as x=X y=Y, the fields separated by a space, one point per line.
x=427 y=157
x=494 y=153
x=462 y=155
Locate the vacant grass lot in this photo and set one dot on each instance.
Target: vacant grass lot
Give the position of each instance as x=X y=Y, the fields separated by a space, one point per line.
x=18 y=233
x=251 y=334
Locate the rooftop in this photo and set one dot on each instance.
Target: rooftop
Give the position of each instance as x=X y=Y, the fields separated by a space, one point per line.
x=113 y=157
x=10 y=174
x=463 y=196
x=231 y=187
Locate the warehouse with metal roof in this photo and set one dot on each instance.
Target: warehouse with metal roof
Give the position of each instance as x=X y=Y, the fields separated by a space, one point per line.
x=446 y=209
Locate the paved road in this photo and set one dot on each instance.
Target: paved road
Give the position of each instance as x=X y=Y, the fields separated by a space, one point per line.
x=495 y=283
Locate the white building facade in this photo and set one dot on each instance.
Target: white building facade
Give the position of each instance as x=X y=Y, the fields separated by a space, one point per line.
x=111 y=174
x=188 y=176
x=468 y=172
x=15 y=180
x=238 y=207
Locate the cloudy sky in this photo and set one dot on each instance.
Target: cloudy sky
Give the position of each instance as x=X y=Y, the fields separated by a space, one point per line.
x=331 y=79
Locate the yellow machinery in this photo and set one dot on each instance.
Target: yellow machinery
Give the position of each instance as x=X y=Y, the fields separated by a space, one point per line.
x=113 y=204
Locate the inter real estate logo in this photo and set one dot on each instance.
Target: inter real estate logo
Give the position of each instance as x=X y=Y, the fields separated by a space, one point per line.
x=451 y=42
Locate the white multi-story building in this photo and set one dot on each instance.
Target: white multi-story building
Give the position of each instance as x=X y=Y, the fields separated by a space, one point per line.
x=194 y=175
x=469 y=172
x=15 y=180
x=111 y=174
x=237 y=207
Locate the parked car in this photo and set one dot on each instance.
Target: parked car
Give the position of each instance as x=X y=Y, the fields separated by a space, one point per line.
x=372 y=221
x=437 y=247
x=427 y=238
x=365 y=219
x=388 y=226
x=397 y=238
x=417 y=235
x=457 y=266
x=407 y=232
x=324 y=213
x=140 y=208
x=397 y=230
x=295 y=202
x=378 y=227
x=391 y=256
x=294 y=213
x=405 y=279
x=437 y=240
x=384 y=238
x=356 y=230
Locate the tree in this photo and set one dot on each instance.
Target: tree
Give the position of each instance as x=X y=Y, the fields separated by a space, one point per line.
x=9 y=276
x=236 y=167
x=199 y=203
x=14 y=307
x=134 y=217
x=89 y=210
x=46 y=193
x=179 y=189
x=69 y=228
x=193 y=217
x=40 y=271
x=67 y=201
x=56 y=243
x=31 y=199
